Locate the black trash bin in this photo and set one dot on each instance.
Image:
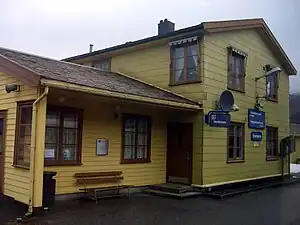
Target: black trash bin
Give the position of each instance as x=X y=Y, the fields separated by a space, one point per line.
x=49 y=184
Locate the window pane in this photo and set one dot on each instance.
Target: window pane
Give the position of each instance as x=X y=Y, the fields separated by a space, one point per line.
x=129 y=138
x=230 y=153
x=129 y=152
x=141 y=152
x=193 y=50
x=238 y=153
x=24 y=153
x=52 y=119
x=179 y=75
x=178 y=64
x=102 y=65
x=271 y=89
x=191 y=74
x=231 y=141
x=178 y=52
x=69 y=152
x=272 y=142
x=70 y=136
x=130 y=125
x=25 y=134
x=192 y=62
x=142 y=126
x=51 y=136
x=142 y=139
x=70 y=121
x=26 y=115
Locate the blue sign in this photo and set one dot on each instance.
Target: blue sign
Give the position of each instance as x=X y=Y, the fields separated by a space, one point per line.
x=256 y=136
x=256 y=119
x=218 y=119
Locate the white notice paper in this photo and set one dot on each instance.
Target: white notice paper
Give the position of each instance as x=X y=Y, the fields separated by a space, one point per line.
x=49 y=153
x=101 y=147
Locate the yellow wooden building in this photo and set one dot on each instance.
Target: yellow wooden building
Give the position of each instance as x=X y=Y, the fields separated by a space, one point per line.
x=147 y=100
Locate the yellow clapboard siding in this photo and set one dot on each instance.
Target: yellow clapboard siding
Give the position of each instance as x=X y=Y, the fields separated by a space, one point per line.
x=153 y=66
x=99 y=123
x=16 y=180
x=215 y=79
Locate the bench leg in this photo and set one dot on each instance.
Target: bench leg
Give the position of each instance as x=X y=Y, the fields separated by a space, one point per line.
x=118 y=191
x=95 y=196
x=129 y=192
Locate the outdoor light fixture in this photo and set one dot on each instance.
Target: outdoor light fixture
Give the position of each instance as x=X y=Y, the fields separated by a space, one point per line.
x=12 y=87
x=269 y=72
x=117 y=112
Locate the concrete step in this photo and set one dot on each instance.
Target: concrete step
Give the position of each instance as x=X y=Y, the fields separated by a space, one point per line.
x=173 y=195
x=173 y=188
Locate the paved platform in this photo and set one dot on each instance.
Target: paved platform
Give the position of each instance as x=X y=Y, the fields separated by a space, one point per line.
x=274 y=206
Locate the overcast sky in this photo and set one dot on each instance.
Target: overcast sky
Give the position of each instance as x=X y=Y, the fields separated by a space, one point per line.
x=63 y=28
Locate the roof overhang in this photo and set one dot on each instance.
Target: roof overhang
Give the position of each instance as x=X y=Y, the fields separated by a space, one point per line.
x=117 y=95
x=19 y=72
x=264 y=30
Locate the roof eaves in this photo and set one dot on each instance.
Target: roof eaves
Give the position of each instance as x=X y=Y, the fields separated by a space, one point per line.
x=107 y=93
x=18 y=71
x=134 y=43
x=220 y=26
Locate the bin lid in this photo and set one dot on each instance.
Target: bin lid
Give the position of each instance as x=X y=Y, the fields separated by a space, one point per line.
x=50 y=173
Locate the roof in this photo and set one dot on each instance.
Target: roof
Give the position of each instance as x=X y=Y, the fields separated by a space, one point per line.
x=295 y=128
x=196 y=28
x=210 y=27
x=42 y=67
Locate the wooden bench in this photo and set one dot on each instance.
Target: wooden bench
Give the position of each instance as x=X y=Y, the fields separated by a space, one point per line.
x=114 y=178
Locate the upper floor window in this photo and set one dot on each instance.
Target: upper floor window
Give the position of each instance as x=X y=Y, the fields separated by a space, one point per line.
x=236 y=69
x=272 y=87
x=184 y=62
x=272 y=143
x=103 y=65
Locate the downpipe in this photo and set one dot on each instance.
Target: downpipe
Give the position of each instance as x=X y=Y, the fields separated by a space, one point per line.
x=33 y=150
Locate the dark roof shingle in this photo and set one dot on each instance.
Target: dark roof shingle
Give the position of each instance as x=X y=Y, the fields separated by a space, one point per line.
x=89 y=76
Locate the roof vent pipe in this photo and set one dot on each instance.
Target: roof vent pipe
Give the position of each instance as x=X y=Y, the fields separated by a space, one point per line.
x=91 y=48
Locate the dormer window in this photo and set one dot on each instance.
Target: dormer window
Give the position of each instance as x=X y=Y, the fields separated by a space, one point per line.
x=184 y=61
x=102 y=65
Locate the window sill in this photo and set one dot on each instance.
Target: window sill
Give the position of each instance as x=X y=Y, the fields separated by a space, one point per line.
x=272 y=158
x=134 y=161
x=237 y=90
x=22 y=167
x=184 y=83
x=272 y=100
x=62 y=164
x=235 y=161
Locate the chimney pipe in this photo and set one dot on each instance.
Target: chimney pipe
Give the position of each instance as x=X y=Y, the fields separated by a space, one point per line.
x=91 y=48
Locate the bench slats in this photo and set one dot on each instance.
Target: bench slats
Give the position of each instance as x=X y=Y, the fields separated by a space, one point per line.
x=109 y=177
x=98 y=174
x=105 y=188
x=95 y=180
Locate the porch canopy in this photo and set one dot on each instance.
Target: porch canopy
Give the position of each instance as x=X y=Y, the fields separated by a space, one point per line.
x=40 y=71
